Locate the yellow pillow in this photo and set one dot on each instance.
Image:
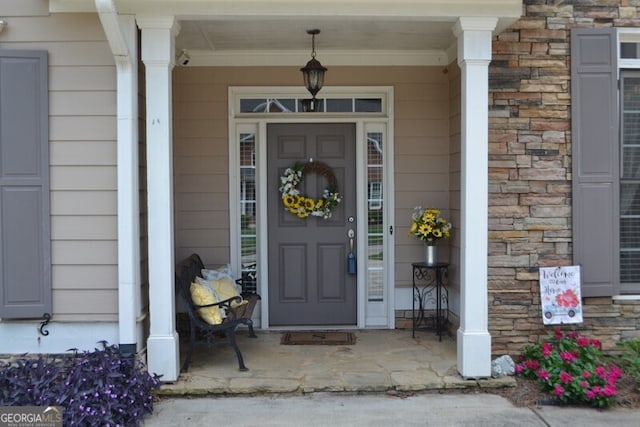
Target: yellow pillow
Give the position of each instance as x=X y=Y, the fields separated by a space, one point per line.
x=203 y=295
x=225 y=289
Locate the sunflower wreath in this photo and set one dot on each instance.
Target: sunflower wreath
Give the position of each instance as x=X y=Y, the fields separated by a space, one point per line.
x=302 y=205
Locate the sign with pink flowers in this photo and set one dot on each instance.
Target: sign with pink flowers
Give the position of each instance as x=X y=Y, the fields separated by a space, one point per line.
x=560 y=295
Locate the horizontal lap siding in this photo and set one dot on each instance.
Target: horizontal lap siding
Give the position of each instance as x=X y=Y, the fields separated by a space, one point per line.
x=455 y=113
x=421 y=156
x=82 y=133
x=201 y=148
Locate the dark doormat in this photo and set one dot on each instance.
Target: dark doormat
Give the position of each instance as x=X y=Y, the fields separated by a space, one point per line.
x=318 y=338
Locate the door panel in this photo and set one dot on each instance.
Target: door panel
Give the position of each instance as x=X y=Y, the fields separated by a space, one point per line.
x=292 y=266
x=331 y=284
x=308 y=281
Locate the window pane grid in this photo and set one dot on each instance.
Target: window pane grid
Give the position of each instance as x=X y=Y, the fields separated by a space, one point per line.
x=375 y=236
x=630 y=181
x=247 y=206
x=326 y=105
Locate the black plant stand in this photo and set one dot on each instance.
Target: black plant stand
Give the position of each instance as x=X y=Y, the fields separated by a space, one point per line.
x=428 y=279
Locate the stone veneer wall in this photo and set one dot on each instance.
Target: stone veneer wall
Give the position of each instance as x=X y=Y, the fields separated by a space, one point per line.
x=530 y=171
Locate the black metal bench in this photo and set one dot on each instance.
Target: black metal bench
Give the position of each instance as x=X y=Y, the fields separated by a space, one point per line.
x=212 y=334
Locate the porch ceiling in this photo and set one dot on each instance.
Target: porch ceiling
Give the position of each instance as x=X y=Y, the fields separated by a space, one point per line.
x=353 y=32
x=337 y=34
x=342 y=41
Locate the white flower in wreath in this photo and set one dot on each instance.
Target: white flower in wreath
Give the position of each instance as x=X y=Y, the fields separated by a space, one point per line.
x=290 y=181
x=301 y=205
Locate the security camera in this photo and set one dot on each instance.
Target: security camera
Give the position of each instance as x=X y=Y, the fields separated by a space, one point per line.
x=183 y=57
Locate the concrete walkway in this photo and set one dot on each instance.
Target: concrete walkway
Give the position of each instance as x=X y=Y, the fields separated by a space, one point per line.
x=340 y=409
x=386 y=378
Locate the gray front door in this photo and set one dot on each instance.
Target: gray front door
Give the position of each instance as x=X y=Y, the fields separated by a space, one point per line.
x=308 y=279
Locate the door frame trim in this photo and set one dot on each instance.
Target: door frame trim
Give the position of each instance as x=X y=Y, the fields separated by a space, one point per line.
x=257 y=122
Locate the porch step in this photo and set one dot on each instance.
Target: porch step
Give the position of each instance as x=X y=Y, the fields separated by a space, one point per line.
x=380 y=361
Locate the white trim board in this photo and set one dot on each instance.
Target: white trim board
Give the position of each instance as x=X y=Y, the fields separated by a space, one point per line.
x=370 y=314
x=24 y=337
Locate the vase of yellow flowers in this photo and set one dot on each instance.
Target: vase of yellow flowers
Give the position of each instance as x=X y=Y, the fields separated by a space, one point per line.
x=429 y=226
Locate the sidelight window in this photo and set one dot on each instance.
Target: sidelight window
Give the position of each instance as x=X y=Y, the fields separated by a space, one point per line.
x=248 y=249
x=375 y=226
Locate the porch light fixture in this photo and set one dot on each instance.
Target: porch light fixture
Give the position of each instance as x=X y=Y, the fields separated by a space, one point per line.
x=313 y=74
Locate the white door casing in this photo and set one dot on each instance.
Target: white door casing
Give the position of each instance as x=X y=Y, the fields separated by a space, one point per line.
x=371 y=313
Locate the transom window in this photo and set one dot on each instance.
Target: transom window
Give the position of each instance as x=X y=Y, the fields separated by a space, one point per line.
x=326 y=105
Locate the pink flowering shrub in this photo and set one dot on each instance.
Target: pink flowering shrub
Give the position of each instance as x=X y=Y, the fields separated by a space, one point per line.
x=572 y=368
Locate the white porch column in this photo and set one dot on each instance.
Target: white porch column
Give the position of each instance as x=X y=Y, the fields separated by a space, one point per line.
x=158 y=37
x=474 y=54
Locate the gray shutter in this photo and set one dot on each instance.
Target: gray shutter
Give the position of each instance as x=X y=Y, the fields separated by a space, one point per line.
x=25 y=249
x=594 y=91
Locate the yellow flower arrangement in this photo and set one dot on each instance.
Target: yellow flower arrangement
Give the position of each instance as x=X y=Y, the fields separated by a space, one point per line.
x=428 y=224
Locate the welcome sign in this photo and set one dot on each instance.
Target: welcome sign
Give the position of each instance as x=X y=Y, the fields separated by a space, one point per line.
x=560 y=295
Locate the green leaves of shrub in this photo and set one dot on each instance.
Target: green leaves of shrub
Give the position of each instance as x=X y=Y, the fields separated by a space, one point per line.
x=571 y=367
x=630 y=358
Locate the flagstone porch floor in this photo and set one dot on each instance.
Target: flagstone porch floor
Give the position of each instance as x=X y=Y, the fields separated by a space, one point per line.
x=381 y=360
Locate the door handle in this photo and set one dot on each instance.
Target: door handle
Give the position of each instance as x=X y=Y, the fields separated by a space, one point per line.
x=351 y=258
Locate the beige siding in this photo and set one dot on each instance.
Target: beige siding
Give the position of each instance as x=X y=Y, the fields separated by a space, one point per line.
x=83 y=227
x=86 y=78
x=19 y=8
x=66 y=103
x=76 y=153
x=82 y=107
x=454 y=186
x=83 y=151
x=421 y=156
x=74 y=178
x=79 y=276
x=84 y=252
x=96 y=304
x=82 y=128
x=83 y=203
x=200 y=145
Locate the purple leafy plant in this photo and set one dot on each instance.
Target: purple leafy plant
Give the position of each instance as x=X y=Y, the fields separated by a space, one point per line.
x=93 y=388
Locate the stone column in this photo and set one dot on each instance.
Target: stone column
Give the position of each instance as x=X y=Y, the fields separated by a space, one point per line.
x=158 y=54
x=474 y=54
